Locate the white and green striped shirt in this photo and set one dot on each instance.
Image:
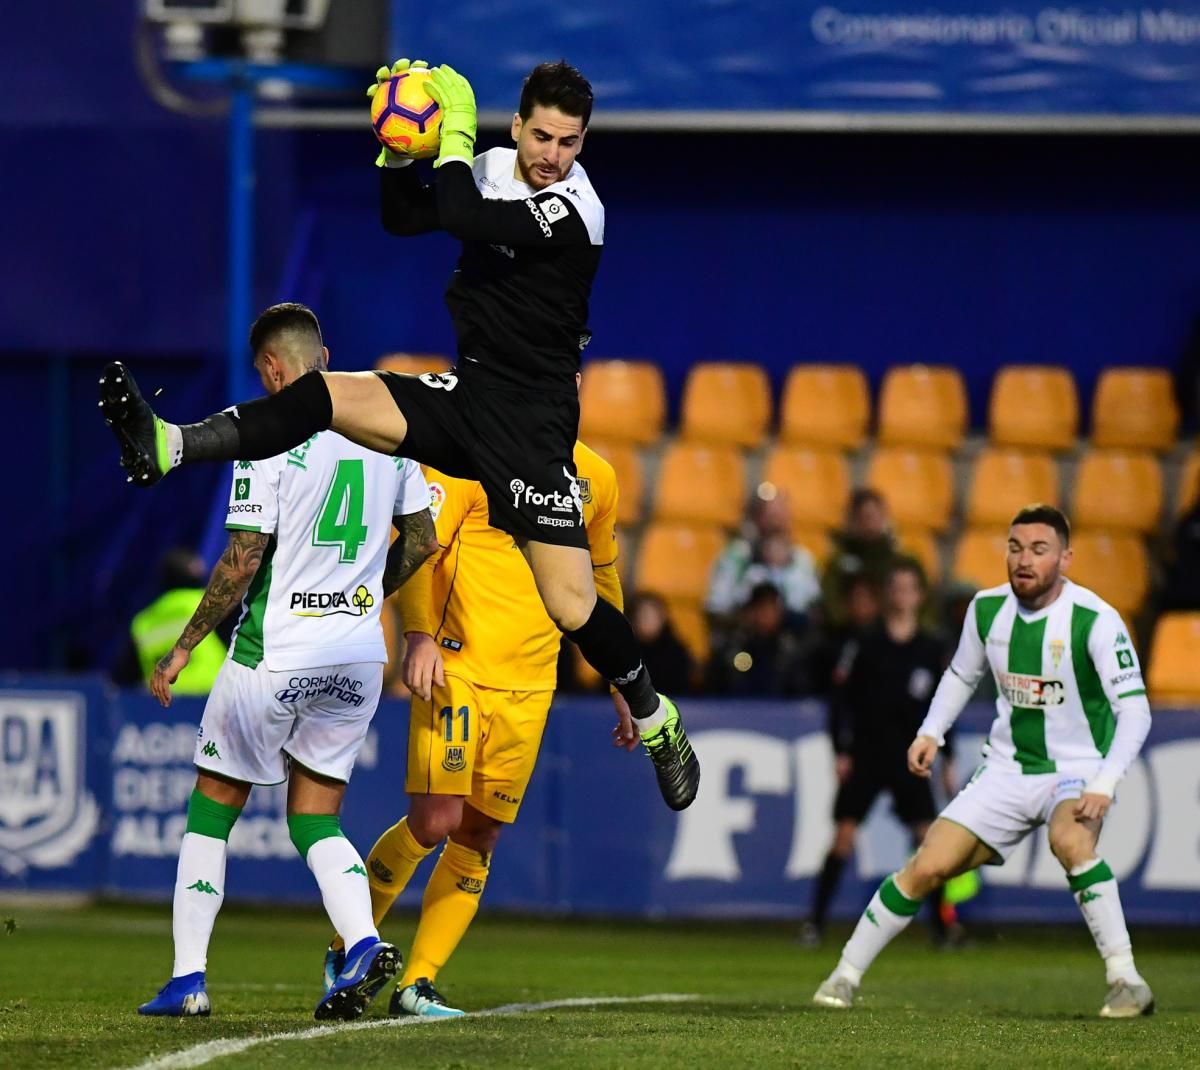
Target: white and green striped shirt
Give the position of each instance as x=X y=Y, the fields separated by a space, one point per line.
x=1068 y=680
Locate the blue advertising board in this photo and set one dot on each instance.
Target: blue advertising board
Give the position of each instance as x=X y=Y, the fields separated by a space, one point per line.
x=874 y=56
x=94 y=787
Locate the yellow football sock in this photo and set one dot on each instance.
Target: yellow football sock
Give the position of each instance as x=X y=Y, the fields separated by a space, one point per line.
x=390 y=866
x=450 y=903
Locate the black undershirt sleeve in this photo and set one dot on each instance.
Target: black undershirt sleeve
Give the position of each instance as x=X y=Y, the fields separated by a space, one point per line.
x=406 y=206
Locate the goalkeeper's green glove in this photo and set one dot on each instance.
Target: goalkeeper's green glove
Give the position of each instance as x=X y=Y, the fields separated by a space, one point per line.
x=456 y=98
x=386 y=157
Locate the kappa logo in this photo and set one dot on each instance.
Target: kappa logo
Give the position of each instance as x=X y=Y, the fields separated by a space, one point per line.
x=455 y=760
x=209 y=750
x=202 y=886
x=245 y=466
x=47 y=815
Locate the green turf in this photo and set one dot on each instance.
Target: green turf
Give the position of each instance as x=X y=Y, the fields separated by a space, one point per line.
x=70 y=980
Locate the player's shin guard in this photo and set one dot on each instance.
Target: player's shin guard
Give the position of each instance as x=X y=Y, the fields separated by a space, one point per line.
x=447 y=910
x=1095 y=890
x=887 y=916
x=264 y=427
x=607 y=644
x=339 y=871
x=200 y=881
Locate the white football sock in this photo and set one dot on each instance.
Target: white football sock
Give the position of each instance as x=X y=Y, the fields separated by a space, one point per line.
x=887 y=916
x=342 y=878
x=651 y=724
x=1095 y=890
x=199 y=893
x=174 y=444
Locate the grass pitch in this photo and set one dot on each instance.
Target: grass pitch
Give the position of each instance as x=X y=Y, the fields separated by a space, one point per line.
x=71 y=979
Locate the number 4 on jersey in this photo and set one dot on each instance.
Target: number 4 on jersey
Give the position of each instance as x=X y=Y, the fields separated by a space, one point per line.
x=340 y=521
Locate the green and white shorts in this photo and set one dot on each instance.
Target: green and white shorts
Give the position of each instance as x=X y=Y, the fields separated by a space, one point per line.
x=255 y=720
x=1001 y=806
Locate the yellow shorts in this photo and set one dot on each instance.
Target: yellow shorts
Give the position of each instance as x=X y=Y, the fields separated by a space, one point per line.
x=476 y=741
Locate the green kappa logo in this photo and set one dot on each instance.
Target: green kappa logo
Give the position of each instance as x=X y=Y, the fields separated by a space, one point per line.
x=1087 y=897
x=245 y=466
x=871 y=917
x=241 y=489
x=203 y=886
x=209 y=750
x=356 y=868
x=1122 y=639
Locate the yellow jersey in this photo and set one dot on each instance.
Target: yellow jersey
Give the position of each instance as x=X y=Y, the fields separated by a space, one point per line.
x=488 y=617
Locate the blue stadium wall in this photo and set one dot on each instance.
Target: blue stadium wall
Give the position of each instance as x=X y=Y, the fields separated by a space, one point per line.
x=94 y=787
x=877 y=249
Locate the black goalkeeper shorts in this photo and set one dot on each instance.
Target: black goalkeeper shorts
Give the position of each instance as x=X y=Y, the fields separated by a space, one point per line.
x=912 y=798
x=518 y=442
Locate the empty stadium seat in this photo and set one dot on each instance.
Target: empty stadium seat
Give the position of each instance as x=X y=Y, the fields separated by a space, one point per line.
x=1117 y=490
x=1004 y=480
x=726 y=404
x=630 y=487
x=674 y=561
x=414 y=363
x=622 y=400
x=701 y=485
x=979 y=557
x=825 y=405
x=1174 y=674
x=1135 y=408
x=816 y=481
x=917 y=484
x=1187 y=489
x=1034 y=405
x=923 y=546
x=1115 y=566
x=921 y=405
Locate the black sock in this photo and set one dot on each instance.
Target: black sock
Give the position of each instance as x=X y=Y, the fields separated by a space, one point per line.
x=607 y=644
x=827 y=882
x=262 y=428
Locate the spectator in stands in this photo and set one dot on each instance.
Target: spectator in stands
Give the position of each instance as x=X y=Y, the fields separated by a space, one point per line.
x=764 y=553
x=860 y=597
x=671 y=666
x=864 y=547
x=761 y=658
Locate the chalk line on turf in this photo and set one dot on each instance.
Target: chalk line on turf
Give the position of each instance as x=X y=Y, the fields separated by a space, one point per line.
x=199 y=1054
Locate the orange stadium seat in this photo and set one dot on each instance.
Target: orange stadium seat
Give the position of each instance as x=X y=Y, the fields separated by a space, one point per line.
x=1187 y=488
x=630 y=486
x=1174 y=676
x=691 y=625
x=1135 y=408
x=623 y=400
x=979 y=557
x=825 y=405
x=726 y=404
x=816 y=481
x=917 y=484
x=701 y=485
x=674 y=561
x=1034 y=405
x=1115 y=566
x=414 y=363
x=921 y=405
x=1117 y=490
x=816 y=541
x=1004 y=480
x=923 y=546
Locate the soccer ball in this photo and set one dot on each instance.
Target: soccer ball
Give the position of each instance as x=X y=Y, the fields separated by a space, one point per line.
x=405 y=119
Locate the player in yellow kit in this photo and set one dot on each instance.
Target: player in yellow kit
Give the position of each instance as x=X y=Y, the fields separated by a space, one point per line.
x=482 y=662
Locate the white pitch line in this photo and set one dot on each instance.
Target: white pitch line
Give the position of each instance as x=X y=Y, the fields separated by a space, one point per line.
x=200 y=1054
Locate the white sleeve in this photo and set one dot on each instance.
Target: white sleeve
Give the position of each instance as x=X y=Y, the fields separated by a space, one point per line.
x=413 y=493
x=254 y=496
x=1116 y=664
x=958 y=682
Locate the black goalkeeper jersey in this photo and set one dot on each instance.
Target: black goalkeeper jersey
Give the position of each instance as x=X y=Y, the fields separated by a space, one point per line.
x=519 y=296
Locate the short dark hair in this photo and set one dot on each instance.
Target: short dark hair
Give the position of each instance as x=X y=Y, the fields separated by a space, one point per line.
x=557 y=85
x=290 y=316
x=864 y=496
x=764 y=592
x=1040 y=513
x=906 y=563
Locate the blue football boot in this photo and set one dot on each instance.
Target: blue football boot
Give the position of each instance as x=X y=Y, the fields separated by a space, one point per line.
x=370 y=964
x=180 y=997
x=335 y=962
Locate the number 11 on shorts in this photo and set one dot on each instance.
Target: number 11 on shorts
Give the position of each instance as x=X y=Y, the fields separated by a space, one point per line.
x=448 y=715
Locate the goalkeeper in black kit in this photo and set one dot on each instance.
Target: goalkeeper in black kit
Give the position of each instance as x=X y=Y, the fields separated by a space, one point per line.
x=532 y=229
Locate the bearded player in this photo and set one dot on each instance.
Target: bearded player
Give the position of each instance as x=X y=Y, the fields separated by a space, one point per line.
x=1071 y=716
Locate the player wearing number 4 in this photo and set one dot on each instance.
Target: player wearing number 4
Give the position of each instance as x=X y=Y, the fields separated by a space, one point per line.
x=532 y=231
x=308 y=560
x=1071 y=716
x=481 y=661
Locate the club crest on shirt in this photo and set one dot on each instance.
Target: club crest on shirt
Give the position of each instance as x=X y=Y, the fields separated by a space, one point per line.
x=1057 y=647
x=455 y=760
x=585 y=488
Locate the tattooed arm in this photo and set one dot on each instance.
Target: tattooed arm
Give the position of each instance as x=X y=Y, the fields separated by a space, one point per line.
x=416 y=541
x=227 y=586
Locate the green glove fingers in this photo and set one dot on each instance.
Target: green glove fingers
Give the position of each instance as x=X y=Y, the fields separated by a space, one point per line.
x=456 y=98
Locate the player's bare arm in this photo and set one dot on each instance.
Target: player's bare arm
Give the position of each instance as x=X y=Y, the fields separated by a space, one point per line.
x=415 y=542
x=227 y=586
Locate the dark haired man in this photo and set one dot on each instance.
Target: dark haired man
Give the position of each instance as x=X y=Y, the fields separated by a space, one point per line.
x=1071 y=716
x=308 y=561
x=532 y=229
